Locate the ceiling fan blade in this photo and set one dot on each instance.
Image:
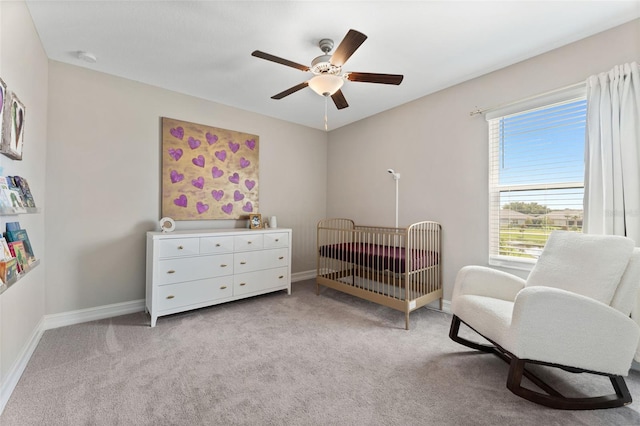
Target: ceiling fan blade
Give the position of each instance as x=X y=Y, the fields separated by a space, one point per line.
x=367 y=77
x=278 y=60
x=290 y=90
x=348 y=45
x=339 y=100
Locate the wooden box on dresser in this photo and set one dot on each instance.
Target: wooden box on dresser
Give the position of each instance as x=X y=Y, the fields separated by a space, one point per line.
x=193 y=269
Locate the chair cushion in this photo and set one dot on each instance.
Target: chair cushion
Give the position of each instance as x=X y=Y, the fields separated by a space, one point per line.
x=626 y=296
x=591 y=265
x=488 y=316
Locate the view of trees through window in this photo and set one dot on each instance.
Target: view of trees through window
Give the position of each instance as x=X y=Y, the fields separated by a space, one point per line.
x=525 y=227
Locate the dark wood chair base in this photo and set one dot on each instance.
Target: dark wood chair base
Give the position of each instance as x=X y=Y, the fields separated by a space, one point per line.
x=551 y=397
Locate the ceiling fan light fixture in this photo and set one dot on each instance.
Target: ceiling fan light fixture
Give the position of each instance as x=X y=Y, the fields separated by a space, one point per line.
x=326 y=84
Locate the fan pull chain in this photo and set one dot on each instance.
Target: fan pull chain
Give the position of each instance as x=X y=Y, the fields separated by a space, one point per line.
x=326 y=121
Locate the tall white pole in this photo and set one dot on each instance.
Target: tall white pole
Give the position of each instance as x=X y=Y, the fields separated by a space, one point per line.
x=396 y=179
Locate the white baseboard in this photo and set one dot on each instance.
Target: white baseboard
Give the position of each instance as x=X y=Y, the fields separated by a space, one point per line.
x=301 y=276
x=18 y=367
x=92 y=314
x=446 y=306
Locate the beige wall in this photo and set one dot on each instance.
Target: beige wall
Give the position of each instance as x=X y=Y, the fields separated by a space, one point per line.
x=103 y=171
x=442 y=153
x=23 y=67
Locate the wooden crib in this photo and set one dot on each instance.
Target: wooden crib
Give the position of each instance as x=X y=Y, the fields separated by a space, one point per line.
x=395 y=267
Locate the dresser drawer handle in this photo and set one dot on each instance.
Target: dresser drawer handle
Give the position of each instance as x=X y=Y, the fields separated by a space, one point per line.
x=277 y=239
x=243 y=284
x=171 y=296
x=180 y=247
x=243 y=263
x=171 y=271
x=218 y=245
x=281 y=277
x=223 y=287
x=249 y=242
x=281 y=257
x=223 y=265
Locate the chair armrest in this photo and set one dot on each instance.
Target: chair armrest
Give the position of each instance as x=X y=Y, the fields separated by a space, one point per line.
x=483 y=281
x=561 y=327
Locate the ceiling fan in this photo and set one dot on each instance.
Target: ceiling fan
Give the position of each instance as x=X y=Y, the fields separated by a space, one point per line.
x=328 y=77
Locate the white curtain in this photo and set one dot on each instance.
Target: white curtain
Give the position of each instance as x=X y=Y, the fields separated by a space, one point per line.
x=612 y=156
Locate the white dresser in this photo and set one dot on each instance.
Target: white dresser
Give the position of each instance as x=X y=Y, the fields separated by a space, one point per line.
x=193 y=269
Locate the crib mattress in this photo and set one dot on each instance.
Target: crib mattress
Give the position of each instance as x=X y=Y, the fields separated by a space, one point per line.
x=381 y=257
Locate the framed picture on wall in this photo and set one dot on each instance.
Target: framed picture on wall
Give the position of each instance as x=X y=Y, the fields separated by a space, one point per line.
x=255 y=221
x=3 y=102
x=13 y=127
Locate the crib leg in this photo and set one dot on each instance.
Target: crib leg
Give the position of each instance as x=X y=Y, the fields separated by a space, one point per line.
x=406 y=320
x=441 y=303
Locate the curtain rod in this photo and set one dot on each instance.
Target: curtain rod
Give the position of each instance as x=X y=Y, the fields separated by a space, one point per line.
x=483 y=110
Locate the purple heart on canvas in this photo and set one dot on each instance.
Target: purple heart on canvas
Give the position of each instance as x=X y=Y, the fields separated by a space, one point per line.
x=221 y=155
x=178 y=132
x=227 y=208
x=175 y=153
x=198 y=183
x=234 y=147
x=181 y=201
x=216 y=172
x=202 y=207
x=248 y=207
x=244 y=162
x=217 y=194
x=249 y=184
x=199 y=161
x=251 y=144
x=176 y=177
x=237 y=195
x=235 y=178
x=211 y=138
x=193 y=143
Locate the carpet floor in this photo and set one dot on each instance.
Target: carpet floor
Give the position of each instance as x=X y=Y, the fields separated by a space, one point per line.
x=276 y=359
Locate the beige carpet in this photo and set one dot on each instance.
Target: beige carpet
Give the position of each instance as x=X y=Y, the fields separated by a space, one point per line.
x=280 y=360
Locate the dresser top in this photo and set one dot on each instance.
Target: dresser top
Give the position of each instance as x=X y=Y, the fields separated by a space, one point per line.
x=211 y=232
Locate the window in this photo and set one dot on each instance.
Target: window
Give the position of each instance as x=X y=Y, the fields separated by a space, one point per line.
x=536 y=175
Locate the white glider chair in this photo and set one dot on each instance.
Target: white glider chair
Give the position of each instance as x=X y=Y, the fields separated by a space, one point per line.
x=572 y=312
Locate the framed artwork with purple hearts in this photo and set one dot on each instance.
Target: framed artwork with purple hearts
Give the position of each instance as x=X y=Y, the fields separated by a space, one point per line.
x=208 y=172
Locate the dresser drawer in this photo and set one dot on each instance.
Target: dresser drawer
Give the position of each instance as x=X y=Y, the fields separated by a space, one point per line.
x=276 y=240
x=215 y=245
x=248 y=242
x=276 y=258
x=174 y=247
x=193 y=292
x=249 y=261
x=258 y=281
x=194 y=268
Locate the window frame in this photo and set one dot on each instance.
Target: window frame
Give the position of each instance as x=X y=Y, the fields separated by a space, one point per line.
x=570 y=94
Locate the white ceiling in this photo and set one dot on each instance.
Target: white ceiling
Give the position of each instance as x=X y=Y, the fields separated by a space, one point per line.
x=203 y=48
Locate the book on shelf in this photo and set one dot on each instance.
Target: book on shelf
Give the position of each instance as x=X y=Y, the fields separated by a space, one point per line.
x=8 y=269
x=13 y=186
x=19 y=252
x=13 y=226
x=10 y=199
x=5 y=252
x=23 y=186
x=22 y=236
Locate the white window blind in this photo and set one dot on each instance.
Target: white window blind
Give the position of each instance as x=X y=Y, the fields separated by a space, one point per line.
x=536 y=178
